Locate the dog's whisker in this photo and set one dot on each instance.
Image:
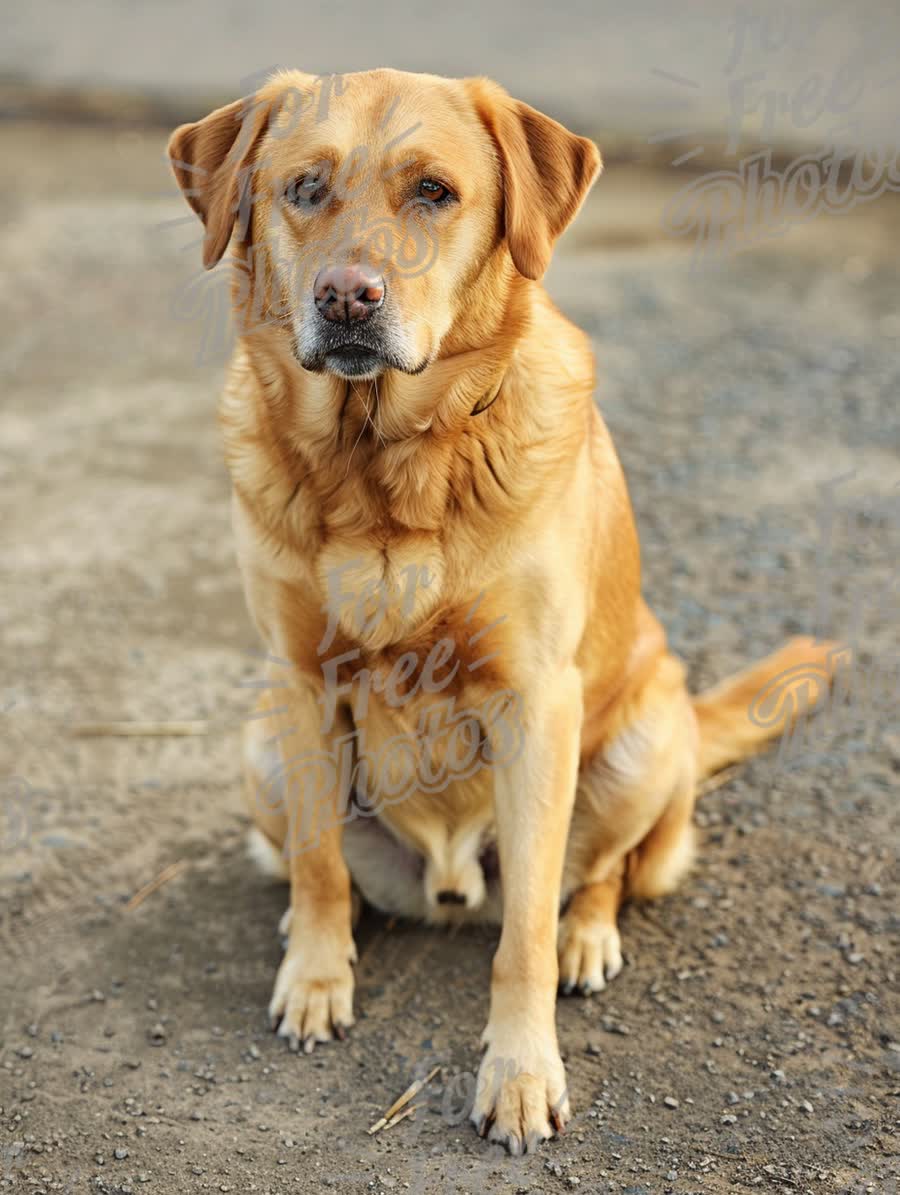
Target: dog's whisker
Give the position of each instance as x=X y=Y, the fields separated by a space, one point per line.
x=358 y=438
x=374 y=424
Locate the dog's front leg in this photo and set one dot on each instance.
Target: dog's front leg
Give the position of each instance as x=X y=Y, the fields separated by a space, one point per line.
x=521 y=1090
x=301 y=806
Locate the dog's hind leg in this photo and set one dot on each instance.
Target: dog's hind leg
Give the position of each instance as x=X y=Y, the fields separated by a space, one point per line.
x=631 y=829
x=658 y=865
x=590 y=951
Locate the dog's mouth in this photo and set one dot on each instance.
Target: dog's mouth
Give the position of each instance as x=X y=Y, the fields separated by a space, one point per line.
x=354 y=361
x=363 y=356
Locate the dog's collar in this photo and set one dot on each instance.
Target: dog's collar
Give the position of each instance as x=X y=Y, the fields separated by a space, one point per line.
x=488 y=401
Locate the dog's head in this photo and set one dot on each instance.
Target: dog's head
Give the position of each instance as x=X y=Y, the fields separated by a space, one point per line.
x=365 y=208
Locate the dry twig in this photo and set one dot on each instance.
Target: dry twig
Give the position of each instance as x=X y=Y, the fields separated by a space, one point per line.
x=410 y=1111
x=168 y=873
x=402 y=1101
x=85 y=730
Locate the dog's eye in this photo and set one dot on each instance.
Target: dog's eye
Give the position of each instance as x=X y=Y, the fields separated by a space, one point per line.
x=433 y=192
x=307 y=191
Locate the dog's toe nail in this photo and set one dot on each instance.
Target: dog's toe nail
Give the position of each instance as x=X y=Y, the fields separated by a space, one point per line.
x=586 y=989
x=294 y=1043
x=514 y=1145
x=309 y=1044
x=567 y=988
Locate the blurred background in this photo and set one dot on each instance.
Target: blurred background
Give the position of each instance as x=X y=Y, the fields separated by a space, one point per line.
x=737 y=267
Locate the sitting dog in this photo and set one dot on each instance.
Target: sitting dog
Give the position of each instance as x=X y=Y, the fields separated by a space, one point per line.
x=471 y=712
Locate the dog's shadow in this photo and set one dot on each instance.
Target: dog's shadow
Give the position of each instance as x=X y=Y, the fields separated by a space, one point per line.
x=211 y=935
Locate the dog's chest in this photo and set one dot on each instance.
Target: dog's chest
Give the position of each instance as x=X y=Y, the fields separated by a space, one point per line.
x=376 y=593
x=399 y=611
x=422 y=706
x=422 y=680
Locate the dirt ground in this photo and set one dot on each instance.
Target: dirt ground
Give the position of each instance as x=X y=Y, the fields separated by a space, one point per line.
x=752 y=1040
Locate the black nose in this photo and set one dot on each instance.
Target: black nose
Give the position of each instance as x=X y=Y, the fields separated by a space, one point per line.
x=449 y=897
x=348 y=293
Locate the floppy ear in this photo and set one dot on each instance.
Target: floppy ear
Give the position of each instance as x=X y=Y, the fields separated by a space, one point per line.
x=547 y=172
x=212 y=160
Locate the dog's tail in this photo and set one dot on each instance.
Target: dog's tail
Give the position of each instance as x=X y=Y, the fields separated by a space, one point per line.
x=737 y=717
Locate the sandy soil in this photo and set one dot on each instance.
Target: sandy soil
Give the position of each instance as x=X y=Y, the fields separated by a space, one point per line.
x=752 y=1040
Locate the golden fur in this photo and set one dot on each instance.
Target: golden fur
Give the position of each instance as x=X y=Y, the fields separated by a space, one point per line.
x=517 y=518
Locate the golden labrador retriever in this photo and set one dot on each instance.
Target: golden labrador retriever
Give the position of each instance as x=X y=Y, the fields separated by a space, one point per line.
x=438 y=549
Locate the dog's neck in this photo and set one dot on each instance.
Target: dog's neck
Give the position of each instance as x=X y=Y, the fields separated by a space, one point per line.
x=332 y=414
x=402 y=452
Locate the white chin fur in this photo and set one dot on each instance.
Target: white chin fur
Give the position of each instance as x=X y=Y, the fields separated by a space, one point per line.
x=369 y=376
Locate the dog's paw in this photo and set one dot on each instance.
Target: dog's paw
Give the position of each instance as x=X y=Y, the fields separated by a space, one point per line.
x=590 y=953
x=521 y=1098
x=313 y=997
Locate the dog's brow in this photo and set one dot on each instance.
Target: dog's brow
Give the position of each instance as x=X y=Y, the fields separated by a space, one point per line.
x=391 y=109
x=389 y=171
x=402 y=136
